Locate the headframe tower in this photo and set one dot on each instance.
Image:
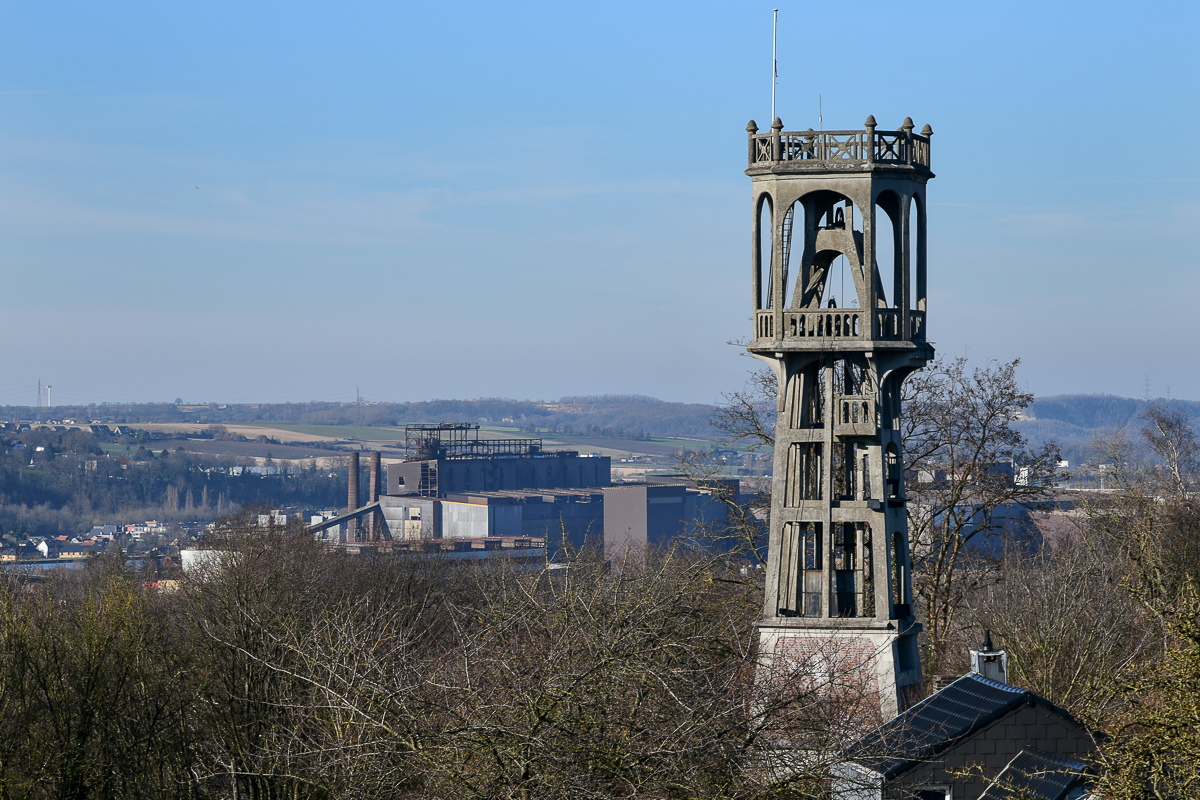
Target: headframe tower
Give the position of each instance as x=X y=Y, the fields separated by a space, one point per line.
x=827 y=205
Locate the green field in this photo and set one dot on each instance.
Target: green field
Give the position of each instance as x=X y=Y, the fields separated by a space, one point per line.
x=607 y=446
x=517 y=433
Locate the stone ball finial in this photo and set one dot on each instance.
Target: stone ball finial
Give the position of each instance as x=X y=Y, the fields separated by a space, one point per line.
x=752 y=127
x=908 y=125
x=777 y=124
x=927 y=131
x=870 y=123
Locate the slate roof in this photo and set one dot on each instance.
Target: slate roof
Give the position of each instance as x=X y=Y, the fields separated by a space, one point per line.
x=1034 y=774
x=936 y=723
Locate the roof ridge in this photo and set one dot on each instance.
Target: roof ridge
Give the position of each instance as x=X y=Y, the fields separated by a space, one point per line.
x=968 y=676
x=1008 y=687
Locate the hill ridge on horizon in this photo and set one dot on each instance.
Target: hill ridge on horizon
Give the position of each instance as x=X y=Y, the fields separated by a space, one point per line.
x=1073 y=420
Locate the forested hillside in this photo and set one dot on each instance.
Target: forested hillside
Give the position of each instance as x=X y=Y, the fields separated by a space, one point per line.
x=1075 y=420
x=72 y=483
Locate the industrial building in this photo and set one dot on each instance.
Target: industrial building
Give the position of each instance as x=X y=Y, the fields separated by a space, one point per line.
x=450 y=457
x=454 y=485
x=652 y=514
x=632 y=515
x=552 y=514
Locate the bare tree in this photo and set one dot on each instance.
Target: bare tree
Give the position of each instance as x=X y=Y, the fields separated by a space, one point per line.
x=91 y=672
x=745 y=419
x=1151 y=515
x=1148 y=522
x=1055 y=612
x=551 y=683
x=257 y=581
x=1169 y=434
x=966 y=466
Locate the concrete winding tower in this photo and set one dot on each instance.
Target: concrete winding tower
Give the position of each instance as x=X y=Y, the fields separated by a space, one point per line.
x=839 y=277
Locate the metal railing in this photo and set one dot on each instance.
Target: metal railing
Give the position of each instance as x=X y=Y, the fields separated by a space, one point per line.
x=460 y=440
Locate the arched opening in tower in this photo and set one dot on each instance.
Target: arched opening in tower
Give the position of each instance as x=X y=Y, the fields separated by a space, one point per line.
x=793 y=219
x=909 y=257
x=764 y=252
x=840 y=290
x=887 y=246
x=919 y=254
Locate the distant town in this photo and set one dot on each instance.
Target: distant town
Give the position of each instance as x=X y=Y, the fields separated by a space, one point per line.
x=148 y=480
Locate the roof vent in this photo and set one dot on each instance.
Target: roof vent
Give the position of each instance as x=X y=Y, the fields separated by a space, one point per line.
x=988 y=662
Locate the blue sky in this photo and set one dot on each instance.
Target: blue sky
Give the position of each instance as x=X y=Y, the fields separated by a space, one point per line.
x=270 y=202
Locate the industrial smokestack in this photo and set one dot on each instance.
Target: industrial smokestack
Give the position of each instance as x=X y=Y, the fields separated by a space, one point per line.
x=353 y=493
x=376 y=478
x=376 y=519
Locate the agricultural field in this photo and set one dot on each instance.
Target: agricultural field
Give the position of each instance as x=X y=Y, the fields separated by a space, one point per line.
x=301 y=440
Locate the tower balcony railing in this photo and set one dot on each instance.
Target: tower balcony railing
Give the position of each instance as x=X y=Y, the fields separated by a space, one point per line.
x=846 y=148
x=844 y=324
x=855 y=416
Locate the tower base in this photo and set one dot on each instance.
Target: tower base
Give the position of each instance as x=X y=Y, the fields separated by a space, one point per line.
x=864 y=675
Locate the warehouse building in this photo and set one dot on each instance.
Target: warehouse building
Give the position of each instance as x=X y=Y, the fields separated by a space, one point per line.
x=554 y=514
x=454 y=485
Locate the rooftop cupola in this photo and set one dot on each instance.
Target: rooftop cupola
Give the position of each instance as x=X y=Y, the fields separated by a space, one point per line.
x=989 y=662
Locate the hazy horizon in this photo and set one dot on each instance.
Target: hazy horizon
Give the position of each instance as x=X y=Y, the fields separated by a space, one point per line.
x=564 y=400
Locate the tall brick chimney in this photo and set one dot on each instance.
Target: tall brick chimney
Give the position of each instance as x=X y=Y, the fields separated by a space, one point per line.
x=352 y=495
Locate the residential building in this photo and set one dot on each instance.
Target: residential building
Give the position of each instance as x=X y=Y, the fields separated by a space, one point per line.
x=978 y=737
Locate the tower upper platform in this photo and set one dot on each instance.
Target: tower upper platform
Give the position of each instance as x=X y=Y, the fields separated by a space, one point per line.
x=839 y=238
x=781 y=152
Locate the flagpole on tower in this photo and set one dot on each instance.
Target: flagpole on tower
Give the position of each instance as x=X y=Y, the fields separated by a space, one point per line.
x=774 y=62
